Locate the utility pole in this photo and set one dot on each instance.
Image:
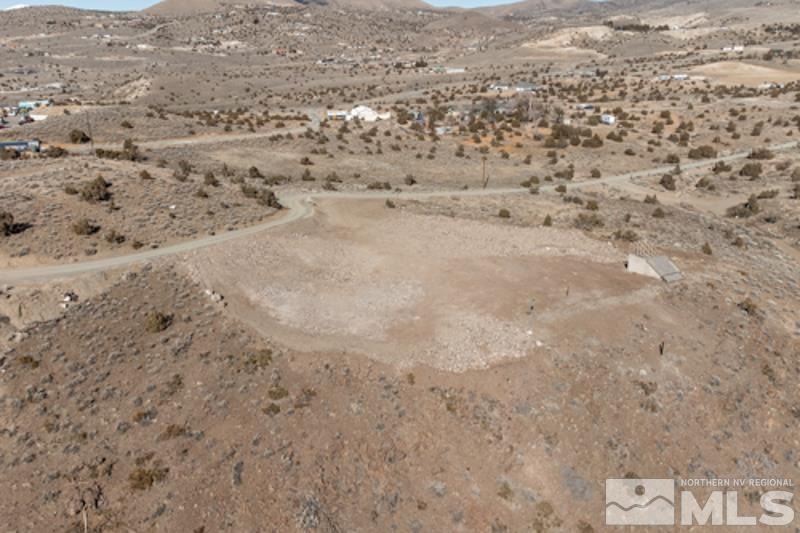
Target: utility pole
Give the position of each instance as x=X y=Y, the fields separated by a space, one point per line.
x=530 y=107
x=89 y=127
x=485 y=177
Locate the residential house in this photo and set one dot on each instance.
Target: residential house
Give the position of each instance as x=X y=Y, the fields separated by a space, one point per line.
x=525 y=88
x=610 y=120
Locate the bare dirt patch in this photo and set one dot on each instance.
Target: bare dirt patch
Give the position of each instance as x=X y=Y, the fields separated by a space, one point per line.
x=451 y=294
x=738 y=73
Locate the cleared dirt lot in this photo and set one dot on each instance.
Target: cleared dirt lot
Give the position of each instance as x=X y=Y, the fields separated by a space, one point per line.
x=736 y=73
x=452 y=294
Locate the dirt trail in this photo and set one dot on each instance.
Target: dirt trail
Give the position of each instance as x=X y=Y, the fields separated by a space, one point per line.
x=300 y=206
x=199 y=140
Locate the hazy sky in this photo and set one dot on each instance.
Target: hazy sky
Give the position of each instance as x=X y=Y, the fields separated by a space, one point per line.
x=141 y=4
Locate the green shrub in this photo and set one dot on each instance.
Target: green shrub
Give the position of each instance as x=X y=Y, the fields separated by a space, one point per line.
x=749 y=208
x=626 y=235
x=8 y=155
x=721 y=166
x=703 y=152
x=113 y=237
x=748 y=306
x=156 y=322
x=96 y=190
x=78 y=137
x=761 y=154
x=272 y=409
x=55 y=152
x=129 y=152
x=85 y=227
x=589 y=221
x=6 y=223
x=767 y=195
x=751 y=170
x=377 y=186
x=276 y=392
x=143 y=479
x=651 y=199
x=210 y=180
x=258 y=360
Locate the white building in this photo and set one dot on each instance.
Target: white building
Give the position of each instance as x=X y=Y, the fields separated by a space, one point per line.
x=337 y=115
x=658 y=267
x=525 y=88
x=34 y=104
x=367 y=114
x=499 y=87
x=608 y=119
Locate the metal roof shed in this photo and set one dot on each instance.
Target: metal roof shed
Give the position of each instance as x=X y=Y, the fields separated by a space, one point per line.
x=658 y=267
x=665 y=268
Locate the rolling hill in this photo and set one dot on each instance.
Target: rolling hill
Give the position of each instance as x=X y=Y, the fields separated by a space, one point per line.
x=190 y=7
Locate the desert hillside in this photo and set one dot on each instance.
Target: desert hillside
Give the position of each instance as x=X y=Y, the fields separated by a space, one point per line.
x=190 y=7
x=376 y=267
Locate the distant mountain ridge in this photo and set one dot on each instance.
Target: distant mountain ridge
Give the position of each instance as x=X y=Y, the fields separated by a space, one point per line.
x=535 y=8
x=191 y=7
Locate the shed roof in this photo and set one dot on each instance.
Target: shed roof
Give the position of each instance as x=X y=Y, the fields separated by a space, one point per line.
x=665 y=268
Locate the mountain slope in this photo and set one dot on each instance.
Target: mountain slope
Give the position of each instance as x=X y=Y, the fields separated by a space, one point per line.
x=190 y=7
x=184 y=7
x=527 y=8
x=537 y=8
x=470 y=21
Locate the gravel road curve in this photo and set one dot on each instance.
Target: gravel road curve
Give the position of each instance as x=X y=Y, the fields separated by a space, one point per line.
x=299 y=206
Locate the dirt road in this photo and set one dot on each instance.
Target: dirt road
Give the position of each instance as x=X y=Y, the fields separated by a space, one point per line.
x=199 y=140
x=301 y=205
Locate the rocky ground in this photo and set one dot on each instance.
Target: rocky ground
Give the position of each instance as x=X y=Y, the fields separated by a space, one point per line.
x=81 y=207
x=145 y=407
x=410 y=363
